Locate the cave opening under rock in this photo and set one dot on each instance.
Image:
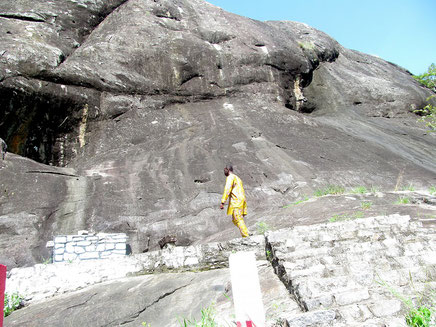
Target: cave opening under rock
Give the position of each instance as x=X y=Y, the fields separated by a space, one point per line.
x=40 y=127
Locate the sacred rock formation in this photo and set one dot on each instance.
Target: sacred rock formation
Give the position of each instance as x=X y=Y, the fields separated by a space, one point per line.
x=119 y=116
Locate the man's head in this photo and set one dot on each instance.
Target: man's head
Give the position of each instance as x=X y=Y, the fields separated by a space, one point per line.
x=228 y=169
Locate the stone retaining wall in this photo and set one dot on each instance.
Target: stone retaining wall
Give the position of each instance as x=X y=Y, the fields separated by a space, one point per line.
x=46 y=280
x=84 y=247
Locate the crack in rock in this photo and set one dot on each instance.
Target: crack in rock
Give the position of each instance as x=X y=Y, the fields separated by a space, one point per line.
x=83 y=303
x=50 y=172
x=280 y=271
x=137 y=314
x=30 y=17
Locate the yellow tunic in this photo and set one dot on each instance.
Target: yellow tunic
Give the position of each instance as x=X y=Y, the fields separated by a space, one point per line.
x=235 y=191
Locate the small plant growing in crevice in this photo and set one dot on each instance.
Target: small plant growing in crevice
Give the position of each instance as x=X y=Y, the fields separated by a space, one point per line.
x=262 y=227
x=305 y=198
x=420 y=317
x=207 y=319
x=12 y=302
x=359 y=190
x=410 y=187
x=47 y=261
x=432 y=190
x=421 y=309
x=306 y=45
x=330 y=189
x=403 y=200
x=366 y=205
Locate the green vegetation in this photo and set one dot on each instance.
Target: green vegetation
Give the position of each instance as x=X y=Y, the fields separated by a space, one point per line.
x=275 y=313
x=12 y=302
x=428 y=113
x=432 y=190
x=410 y=187
x=428 y=79
x=366 y=205
x=207 y=319
x=420 y=308
x=403 y=200
x=419 y=317
x=306 y=198
x=47 y=261
x=330 y=189
x=306 y=45
x=262 y=227
x=359 y=190
x=346 y=216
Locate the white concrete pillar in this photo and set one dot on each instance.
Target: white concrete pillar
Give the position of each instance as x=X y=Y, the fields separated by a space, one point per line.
x=247 y=296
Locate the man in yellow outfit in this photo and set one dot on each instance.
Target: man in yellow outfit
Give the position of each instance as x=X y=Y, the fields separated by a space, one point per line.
x=234 y=191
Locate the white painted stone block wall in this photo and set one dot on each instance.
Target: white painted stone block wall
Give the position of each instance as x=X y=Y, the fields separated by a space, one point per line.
x=85 y=247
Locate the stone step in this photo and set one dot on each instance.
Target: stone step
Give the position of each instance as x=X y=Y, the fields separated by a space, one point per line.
x=354 y=267
x=314 y=318
x=344 y=229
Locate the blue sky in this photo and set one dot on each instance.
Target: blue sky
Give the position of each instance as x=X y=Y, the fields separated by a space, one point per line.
x=400 y=31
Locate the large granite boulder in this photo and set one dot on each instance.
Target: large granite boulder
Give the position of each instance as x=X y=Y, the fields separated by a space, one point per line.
x=144 y=102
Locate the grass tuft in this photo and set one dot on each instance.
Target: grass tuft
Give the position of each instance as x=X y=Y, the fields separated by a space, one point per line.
x=306 y=198
x=262 y=227
x=366 y=205
x=409 y=187
x=359 y=190
x=330 y=189
x=403 y=200
x=207 y=319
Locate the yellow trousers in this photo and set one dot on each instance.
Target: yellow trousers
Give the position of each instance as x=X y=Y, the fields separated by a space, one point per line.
x=238 y=220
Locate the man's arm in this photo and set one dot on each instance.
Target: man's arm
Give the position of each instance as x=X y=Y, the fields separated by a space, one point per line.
x=227 y=191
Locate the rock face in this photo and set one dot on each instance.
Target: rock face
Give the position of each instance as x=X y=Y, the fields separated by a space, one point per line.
x=160 y=300
x=131 y=109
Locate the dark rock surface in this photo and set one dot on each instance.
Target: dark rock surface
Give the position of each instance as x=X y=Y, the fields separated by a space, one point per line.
x=144 y=102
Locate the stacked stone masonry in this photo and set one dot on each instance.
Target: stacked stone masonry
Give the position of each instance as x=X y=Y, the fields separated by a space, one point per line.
x=84 y=247
x=346 y=273
x=46 y=280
